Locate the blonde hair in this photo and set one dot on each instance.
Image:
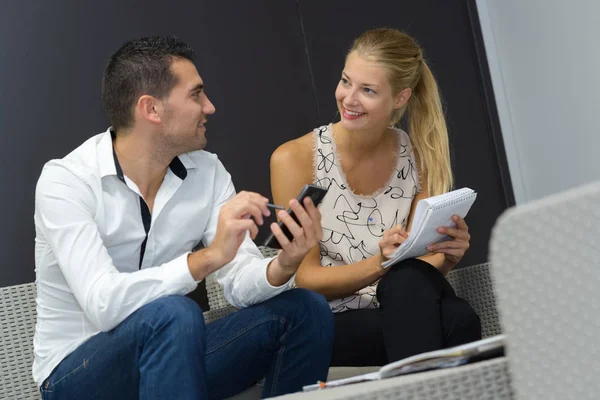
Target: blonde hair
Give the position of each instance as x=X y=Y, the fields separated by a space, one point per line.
x=403 y=58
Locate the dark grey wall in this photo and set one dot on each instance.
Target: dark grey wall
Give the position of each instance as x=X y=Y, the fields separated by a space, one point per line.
x=254 y=58
x=53 y=56
x=448 y=31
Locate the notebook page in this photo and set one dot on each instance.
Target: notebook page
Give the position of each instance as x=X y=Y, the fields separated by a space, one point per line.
x=435 y=212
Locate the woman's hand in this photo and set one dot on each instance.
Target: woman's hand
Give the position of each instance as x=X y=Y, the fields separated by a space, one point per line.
x=453 y=249
x=392 y=238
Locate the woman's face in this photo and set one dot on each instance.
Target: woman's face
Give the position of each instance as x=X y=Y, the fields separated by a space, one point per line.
x=364 y=95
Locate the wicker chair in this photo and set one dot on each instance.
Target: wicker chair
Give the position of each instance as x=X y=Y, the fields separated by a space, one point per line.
x=485 y=380
x=17 y=325
x=547 y=275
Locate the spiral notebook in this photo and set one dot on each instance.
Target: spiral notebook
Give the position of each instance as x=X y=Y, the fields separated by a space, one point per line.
x=430 y=214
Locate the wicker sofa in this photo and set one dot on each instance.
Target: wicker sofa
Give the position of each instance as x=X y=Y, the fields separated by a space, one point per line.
x=484 y=380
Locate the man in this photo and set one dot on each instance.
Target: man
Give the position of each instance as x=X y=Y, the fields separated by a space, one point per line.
x=116 y=221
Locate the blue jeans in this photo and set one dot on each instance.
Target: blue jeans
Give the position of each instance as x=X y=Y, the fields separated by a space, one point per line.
x=165 y=351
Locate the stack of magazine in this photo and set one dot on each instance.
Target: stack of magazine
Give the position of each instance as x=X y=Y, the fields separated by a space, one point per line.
x=450 y=357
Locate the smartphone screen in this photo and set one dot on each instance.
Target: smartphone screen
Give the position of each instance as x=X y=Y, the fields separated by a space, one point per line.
x=316 y=193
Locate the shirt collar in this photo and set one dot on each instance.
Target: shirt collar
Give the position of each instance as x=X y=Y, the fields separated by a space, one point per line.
x=109 y=164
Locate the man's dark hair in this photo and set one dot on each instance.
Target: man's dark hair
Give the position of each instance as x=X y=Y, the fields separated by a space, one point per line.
x=141 y=66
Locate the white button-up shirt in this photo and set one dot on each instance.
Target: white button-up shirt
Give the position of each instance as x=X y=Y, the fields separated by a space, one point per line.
x=100 y=255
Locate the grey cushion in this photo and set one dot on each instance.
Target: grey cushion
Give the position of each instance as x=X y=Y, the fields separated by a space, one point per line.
x=546 y=268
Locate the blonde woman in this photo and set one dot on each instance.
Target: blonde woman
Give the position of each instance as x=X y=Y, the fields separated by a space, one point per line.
x=376 y=173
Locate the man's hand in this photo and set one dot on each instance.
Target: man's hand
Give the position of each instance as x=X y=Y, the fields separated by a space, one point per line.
x=234 y=222
x=392 y=239
x=306 y=236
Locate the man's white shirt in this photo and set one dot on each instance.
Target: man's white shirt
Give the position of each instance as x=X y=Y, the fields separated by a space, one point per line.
x=100 y=255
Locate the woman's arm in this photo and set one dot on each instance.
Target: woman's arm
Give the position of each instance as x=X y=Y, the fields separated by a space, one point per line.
x=291 y=169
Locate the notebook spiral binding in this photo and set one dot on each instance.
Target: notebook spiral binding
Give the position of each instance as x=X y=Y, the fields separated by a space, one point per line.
x=456 y=198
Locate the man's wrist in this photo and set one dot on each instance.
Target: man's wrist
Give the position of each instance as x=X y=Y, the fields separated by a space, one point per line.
x=203 y=263
x=277 y=274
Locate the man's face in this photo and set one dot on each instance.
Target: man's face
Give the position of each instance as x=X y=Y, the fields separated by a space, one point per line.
x=185 y=110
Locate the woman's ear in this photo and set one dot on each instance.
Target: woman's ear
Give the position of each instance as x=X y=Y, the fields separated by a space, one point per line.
x=402 y=98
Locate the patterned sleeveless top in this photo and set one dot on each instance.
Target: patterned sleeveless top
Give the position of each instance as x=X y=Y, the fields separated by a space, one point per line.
x=353 y=224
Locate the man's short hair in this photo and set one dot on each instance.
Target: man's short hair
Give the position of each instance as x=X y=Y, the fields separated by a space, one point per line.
x=140 y=67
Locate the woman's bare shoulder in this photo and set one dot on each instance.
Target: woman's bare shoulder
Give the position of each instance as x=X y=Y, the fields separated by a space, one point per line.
x=296 y=153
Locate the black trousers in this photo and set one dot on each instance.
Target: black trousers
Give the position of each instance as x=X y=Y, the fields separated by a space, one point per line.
x=419 y=312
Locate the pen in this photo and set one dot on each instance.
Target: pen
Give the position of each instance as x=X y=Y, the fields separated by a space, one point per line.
x=275 y=206
x=378 y=224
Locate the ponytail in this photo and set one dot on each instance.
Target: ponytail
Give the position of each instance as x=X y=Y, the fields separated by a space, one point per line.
x=429 y=134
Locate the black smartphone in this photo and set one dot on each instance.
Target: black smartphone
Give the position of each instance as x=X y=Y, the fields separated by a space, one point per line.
x=316 y=194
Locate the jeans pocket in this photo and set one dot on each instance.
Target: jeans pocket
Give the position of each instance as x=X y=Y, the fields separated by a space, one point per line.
x=55 y=385
x=46 y=390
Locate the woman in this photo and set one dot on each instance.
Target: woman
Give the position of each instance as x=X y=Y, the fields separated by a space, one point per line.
x=376 y=173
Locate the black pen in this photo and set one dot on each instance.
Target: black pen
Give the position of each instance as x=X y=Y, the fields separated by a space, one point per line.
x=275 y=206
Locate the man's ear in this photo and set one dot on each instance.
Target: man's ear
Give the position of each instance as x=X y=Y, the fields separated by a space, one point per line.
x=149 y=108
x=402 y=98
